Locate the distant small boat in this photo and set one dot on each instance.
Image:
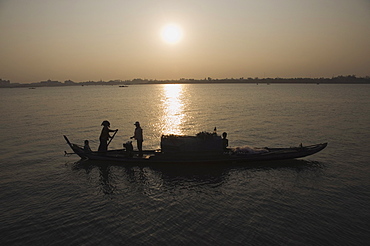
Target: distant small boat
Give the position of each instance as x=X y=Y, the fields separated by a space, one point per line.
x=180 y=150
x=123 y=86
x=32 y=88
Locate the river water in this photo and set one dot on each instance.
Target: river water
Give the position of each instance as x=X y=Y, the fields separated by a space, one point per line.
x=49 y=199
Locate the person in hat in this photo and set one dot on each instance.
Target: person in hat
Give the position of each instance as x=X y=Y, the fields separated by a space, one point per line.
x=138 y=136
x=104 y=136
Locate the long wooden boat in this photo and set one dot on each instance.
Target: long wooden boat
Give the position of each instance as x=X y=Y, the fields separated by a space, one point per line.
x=231 y=155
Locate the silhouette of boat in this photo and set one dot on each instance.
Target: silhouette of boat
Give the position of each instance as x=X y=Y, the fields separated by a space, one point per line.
x=207 y=154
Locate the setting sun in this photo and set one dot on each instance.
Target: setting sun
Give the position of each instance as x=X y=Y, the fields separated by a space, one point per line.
x=171 y=33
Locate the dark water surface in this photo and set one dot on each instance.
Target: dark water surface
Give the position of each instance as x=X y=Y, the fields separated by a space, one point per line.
x=49 y=199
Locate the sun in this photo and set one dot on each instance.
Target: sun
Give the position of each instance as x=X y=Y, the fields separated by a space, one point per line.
x=171 y=33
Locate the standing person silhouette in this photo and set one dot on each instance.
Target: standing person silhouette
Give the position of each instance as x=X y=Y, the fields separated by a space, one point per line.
x=225 y=141
x=138 y=135
x=104 y=136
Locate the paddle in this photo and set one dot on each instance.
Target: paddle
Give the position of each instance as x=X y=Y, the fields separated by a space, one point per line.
x=112 y=137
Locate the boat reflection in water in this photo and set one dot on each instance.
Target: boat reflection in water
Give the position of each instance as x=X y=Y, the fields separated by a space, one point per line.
x=155 y=181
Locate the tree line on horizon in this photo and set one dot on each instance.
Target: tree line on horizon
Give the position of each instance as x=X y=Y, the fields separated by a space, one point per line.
x=349 y=79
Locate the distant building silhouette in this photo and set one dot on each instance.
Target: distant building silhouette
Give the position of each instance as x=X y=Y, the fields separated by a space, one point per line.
x=4 y=83
x=50 y=83
x=69 y=82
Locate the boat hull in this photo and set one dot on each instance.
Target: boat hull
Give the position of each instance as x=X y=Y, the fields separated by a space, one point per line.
x=151 y=156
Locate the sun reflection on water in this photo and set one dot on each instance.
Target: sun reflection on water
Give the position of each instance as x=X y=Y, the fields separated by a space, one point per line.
x=173 y=108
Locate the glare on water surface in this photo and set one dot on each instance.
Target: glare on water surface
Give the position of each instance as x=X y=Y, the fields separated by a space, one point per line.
x=173 y=108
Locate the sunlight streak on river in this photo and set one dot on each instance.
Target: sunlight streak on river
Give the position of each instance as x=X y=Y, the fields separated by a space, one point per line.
x=173 y=108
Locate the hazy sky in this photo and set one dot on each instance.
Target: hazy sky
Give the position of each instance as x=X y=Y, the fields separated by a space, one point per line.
x=115 y=39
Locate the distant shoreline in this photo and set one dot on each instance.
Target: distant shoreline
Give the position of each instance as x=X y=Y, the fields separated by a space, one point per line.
x=351 y=79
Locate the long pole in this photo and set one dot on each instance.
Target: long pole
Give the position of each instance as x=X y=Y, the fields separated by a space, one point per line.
x=112 y=137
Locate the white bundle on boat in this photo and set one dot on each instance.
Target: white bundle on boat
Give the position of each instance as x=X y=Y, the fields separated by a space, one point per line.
x=249 y=150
